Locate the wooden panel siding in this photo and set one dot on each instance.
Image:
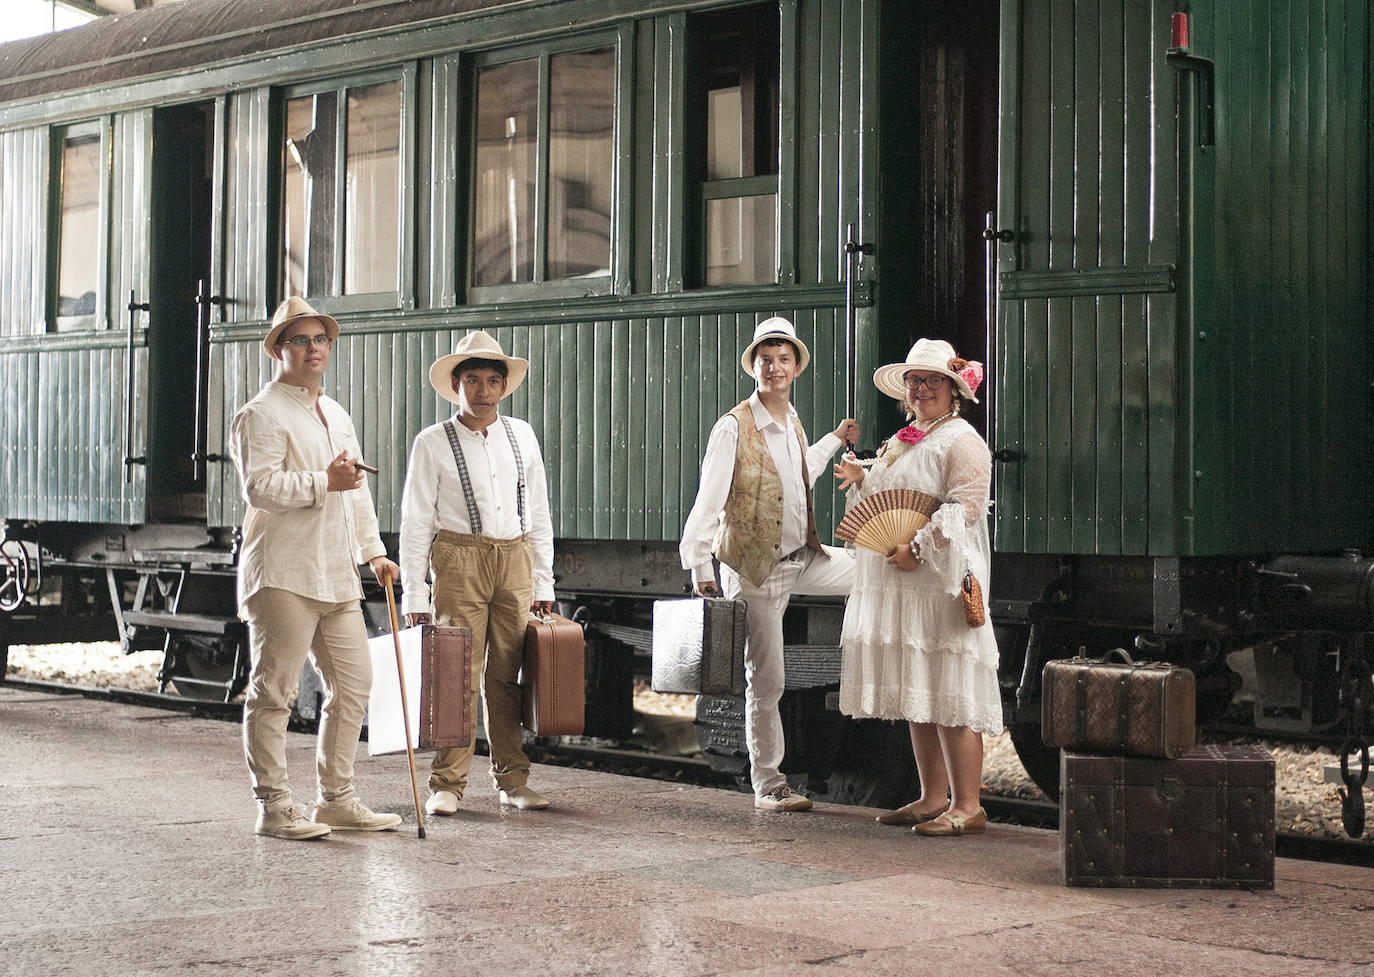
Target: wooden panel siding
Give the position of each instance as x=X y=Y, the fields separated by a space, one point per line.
x=1282 y=279
x=1086 y=335
x=24 y=246
x=62 y=435
x=622 y=406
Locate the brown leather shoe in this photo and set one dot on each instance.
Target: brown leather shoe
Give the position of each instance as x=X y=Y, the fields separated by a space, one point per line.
x=952 y=824
x=907 y=814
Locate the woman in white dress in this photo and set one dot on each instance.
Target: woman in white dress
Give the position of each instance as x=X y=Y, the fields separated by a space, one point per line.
x=909 y=652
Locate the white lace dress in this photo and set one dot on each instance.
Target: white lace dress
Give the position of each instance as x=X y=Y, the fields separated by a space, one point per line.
x=908 y=652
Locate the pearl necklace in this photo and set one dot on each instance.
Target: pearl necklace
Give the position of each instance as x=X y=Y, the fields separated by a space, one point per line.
x=895 y=447
x=931 y=425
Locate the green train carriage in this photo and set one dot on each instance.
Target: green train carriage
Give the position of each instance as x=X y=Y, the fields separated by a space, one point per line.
x=619 y=191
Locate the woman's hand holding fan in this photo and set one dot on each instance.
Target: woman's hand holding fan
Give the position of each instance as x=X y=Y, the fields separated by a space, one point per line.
x=887 y=519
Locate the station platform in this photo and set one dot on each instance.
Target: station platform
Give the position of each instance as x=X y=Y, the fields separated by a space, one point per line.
x=127 y=849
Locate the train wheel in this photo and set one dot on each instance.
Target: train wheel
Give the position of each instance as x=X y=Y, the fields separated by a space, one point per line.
x=17 y=573
x=204 y=669
x=1041 y=761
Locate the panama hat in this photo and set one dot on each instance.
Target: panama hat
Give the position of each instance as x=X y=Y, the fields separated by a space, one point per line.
x=475 y=345
x=292 y=310
x=935 y=356
x=775 y=328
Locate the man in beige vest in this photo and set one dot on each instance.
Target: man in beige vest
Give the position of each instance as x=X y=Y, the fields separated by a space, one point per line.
x=753 y=511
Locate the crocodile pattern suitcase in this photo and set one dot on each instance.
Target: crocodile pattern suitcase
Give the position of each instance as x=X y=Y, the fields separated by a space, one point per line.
x=699 y=646
x=1115 y=705
x=1205 y=820
x=437 y=661
x=553 y=677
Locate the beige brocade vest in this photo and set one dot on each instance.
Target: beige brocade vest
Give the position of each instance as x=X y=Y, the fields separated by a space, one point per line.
x=749 y=540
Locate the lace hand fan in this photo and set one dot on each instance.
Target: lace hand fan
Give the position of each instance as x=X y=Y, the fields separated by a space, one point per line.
x=887 y=519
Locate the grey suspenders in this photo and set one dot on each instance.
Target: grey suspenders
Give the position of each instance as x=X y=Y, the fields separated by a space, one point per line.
x=475 y=517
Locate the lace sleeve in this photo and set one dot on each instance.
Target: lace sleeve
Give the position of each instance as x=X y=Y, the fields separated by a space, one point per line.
x=947 y=542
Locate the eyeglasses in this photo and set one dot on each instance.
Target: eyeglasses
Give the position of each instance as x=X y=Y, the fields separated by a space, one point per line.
x=932 y=383
x=300 y=342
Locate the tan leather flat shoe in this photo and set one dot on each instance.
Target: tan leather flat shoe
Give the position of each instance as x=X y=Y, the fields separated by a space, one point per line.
x=952 y=824
x=907 y=814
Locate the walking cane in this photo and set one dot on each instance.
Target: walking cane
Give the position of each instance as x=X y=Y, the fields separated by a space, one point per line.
x=405 y=710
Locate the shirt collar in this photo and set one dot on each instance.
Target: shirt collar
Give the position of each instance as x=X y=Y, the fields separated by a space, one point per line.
x=463 y=429
x=763 y=419
x=299 y=394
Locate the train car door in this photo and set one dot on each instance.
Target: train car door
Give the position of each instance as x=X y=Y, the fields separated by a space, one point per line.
x=183 y=167
x=1086 y=243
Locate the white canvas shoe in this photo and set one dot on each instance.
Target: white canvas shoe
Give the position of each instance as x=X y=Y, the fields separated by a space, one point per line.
x=289 y=822
x=782 y=798
x=354 y=815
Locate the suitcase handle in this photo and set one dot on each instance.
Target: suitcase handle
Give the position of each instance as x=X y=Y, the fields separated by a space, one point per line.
x=1119 y=655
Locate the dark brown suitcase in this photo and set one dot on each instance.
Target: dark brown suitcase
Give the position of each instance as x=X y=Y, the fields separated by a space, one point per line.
x=438 y=668
x=1205 y=820
x=553 y=677
x=1115 y=705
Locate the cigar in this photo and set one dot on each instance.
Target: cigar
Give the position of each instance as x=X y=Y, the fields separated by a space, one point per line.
x=367 y=468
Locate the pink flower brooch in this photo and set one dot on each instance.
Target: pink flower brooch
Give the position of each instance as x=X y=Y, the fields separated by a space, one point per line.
x=911 y=434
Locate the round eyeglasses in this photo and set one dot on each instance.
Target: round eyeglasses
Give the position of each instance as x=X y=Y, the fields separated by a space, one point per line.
x=300 y=342
x=931 y=383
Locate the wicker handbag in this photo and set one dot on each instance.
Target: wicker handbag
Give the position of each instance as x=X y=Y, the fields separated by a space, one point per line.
x=972 y=595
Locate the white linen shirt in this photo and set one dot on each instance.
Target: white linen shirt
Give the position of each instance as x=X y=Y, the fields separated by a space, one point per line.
x=718 y=470
x=433 y=500
x=297 y=535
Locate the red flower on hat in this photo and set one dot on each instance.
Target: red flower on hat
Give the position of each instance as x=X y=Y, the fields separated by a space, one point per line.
x=972 y=375
x=911 y=434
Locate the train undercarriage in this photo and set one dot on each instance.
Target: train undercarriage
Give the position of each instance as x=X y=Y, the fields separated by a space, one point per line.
x=1292 y=634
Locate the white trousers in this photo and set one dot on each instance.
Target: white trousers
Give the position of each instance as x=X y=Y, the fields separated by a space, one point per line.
x=283 y=628
x=808 y=573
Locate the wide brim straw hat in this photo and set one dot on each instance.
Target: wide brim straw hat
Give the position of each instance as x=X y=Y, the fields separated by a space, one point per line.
x=292 y=310
x=476 y=345
x=933 y=356
x=775 y=328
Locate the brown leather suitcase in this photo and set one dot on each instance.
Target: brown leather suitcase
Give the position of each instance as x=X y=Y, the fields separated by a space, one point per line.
x=1115 y=705
x=437 y=661
x=553 y=677
x=1205 y=820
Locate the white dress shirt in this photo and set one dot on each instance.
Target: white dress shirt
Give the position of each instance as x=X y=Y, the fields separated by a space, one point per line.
x=298 y=536
x=433 y=500
x=718 y=470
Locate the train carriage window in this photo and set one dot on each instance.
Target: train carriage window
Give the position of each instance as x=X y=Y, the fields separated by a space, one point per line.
x=79 y=183
x=342 y=190
x=543 y=172
x=733 y=148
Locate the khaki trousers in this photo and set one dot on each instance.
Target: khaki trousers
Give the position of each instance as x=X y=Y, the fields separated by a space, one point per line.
x=486 y=585
x=283 y=629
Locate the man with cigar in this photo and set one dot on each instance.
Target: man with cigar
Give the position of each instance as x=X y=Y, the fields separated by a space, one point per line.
x=310 y=523
x=475 y=512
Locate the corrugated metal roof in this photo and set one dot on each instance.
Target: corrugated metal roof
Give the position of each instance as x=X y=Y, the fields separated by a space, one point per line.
x=196 y=33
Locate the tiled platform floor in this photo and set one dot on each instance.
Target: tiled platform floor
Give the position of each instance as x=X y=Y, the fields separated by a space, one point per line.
x=126 y=848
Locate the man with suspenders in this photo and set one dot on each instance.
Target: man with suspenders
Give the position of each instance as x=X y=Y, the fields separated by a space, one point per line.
x=475 y=512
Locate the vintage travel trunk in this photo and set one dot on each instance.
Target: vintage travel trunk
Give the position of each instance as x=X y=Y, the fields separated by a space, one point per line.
x=699 y=646
x=1205 y=820
x=437 y=662
x=553 y=677
x=1116 y=705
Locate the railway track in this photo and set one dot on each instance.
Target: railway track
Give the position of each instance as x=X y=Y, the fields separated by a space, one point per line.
x=688 y=770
